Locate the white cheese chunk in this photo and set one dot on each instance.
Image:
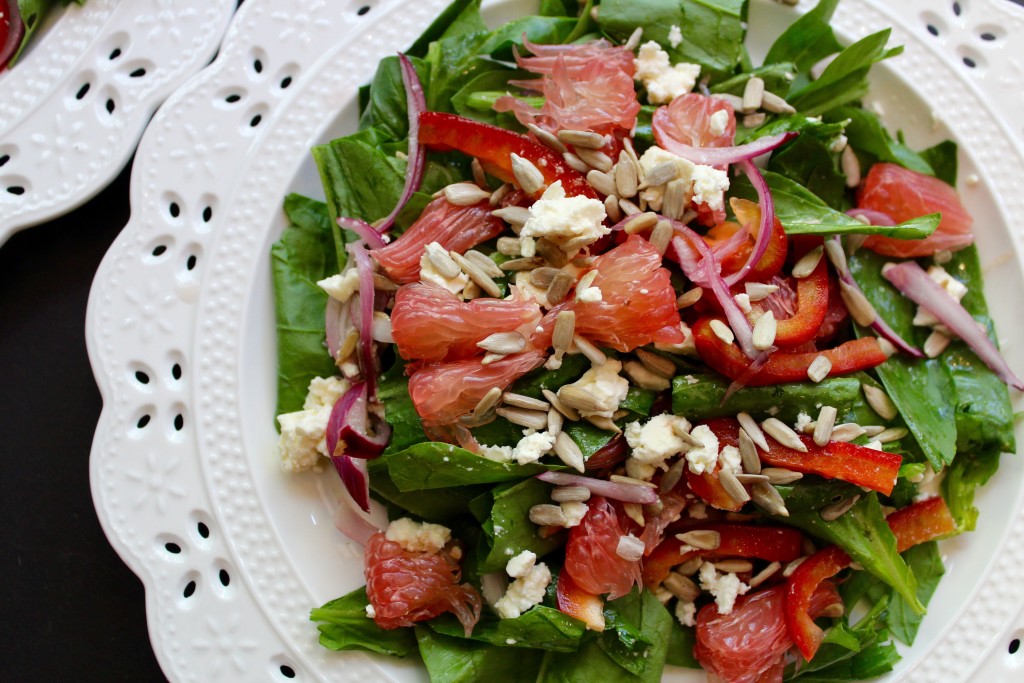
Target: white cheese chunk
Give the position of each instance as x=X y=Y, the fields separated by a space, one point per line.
x=428 y=273
x=569 y=222
x=341 y=286
x=675 y=36
x=702 y=184
x=656 y=440
x=532 y=447
x=525 y=592
x=521 y=564
x=662 y=80
x=302 y=441
x=686 y=613
x=703 y=459
x=724 y=587
x=418 y=537
x=606 y=385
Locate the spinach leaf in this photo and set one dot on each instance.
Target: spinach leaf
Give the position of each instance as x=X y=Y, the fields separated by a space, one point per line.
x=712 y=30
x=543 y=30
x=699 y=397
x=680 y=646
x=926 y=563
x=488 y=81
x=453 y=18
x=809 y=162
x=540 y=627
x=505 y=512
x=806 y=42
x=303 y=255
x=864 y=535
x=33 y=14
x=843 y=642
x=359 y=179
x=636 y=634
x=920 y=389
x=963 y=477
x=433 y=505
x=435 y=465
x=458 y=660
x=399 y=410
x=827 y=133
x=942 y=159
x=870 y=662
x=343 y=625
x=776 y=77
x=872 y=141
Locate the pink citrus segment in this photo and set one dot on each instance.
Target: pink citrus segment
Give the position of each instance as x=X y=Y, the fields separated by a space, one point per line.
x=590 y=553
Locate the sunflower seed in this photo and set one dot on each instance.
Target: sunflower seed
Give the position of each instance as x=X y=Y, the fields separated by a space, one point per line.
x=764 y=331
x=824 y=424
x=640 y=222
x=681 y=587
x=850 y=166
x=485 y=264
x=479 y=177
x=526 y=402
x=781 y=432
x=689 y=297
x=628 y=207
x=734 y=566
x=779 y=476
x=860 y=308
x=559 y=287
x=775 y=104
x=837 y=256
x=547 y=515
x=681 y=429
x=626 y=176
x=475 y=419
x=748 y=454
x=839 y=144
x=579 y=399
x=766 y=497
x=735 y=100
x=551 y=252
x=630 y=548
x=634 y=41
x=542 y=277
x=620 y=479
x=806 y=265
x=555 y=422
x=382 y=283
x=661 y=173
x=602 y=182
x=476 y=274
x=380 y=328
x=570 y=494
x=872 y=430
x=611 y=207
x=792 y=566
x=442 y=261
x=879 y=402
x=593 y=354
x=765 y=574
x=472 y=291
x=701 y=539
x=465 y=194
x=675 y=200
x=847 y=431
x=594 y=159
x=833 y=611
x=531 y=419
x=644 y=378
x=509 y=246
x=672 y=476
x=513 y=215
x=587 y=280
x=529 y=177
x=491 y=357
x=732 y=486
x=568 y=452
x=518 y=264
x=892 y=434
x=819 y=369
x=348 y=345
x=547 y=138
x=659 y=365
x=753 y=94
x=567 y=412
x=604 y=423
x=753 y=430
x=575 y=162
x=832 y=512
x=660 y=236
x=489 y=400
x=754 y=120
x=565 y=324
x=722 y=331
x=887 y=347
x=935 y=344
x=581 y=138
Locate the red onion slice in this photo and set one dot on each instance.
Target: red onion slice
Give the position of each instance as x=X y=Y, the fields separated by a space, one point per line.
x=367 y=353
x=349 y=424
x=366 y=232
x=336 y=324
x=355 y=478
x=416 y=102
x=873 y=217
x=350 y=520
x=764 y=235
x=914 y=283
x=838 y=258
x=718 y=156
x=15 y=32
x=627 y=493
x=705 y=272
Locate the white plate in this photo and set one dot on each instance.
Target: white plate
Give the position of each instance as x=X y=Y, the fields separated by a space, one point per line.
x=185 y=476
x=75 y=103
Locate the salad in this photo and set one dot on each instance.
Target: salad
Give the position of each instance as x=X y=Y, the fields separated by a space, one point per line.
x=670 y=359
x=18 y=21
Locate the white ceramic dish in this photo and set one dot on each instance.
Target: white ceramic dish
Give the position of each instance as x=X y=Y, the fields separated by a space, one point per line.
x=75 y=104
x=185 y=475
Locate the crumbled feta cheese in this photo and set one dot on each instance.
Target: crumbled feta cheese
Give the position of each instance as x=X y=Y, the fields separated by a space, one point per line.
x=574 y=512
x=497 y=453
x=704 y=458
x=370 y=611
x=685 y=613
x=302 y=440
x=605 y=384
x=675 y=36
x=589 y=295
x=521 y=564
x=724 y=587
x=687 y=347
x=656 y=440
x=802 y=420
x=703 y=184
x=341 y=286
x=569 y=222
x=525 y=592
x=953 y=287
x=718 y=122
x=663 y=80
x=729 y=459
x=532 y=447
x=428 y=273
x=930 y=484
x=709 y=186
x=418 y=537
x=640 y=470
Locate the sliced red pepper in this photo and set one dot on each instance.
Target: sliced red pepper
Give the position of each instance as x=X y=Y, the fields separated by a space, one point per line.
x=708 y=488
x=770 y=543
x=494 y=146
x=729 y=360
x=811 y=306
x=835 y=460
x=917 y=523
x=578 y=603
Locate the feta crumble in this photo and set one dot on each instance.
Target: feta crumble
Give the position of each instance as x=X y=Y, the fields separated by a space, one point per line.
x=525 y=592
x=418 y=537
x=428 y=273
x=521 y=564
x=729 y=459
x=574 y=512
x=675 y=36
x=532 y=447
x=497 y=453
x=718 y=122
x=724 y=587
x=607 y=387
x=802 y=420
x=341 y=286
x=370 y=611
x=656 y=440
x=662 y=80
x=704 y=458
x=302 y=439
x=686 y=613
x=569 y=222
x=589 y=295
x=702 y=184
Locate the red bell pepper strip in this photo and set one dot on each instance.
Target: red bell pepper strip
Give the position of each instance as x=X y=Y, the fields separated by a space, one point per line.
x=771 y=543
x=917 y=523
x=494 y=147
x=812 y=304
x=781 y=367
x=708 y=488
x=578 y=603
x=835 y=460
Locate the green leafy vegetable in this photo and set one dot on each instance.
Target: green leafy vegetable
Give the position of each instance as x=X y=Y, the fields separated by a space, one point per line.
x=343 y=625
x=505 y=512
x=540 y=627
x=435 y=465
x=699 y=397
x=806 y=42
x=457 y=660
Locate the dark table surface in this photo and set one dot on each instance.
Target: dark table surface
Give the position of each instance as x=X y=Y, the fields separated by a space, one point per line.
x=70 y=610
